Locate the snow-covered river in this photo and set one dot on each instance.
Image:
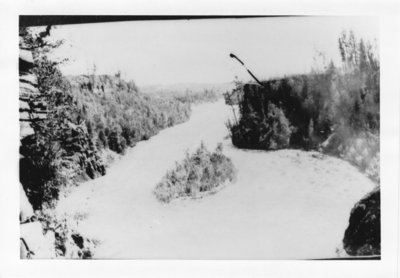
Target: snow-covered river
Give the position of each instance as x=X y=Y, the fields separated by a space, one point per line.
x=287 y=204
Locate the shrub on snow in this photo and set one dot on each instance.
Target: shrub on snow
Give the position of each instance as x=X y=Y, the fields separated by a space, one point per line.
x=201 y=171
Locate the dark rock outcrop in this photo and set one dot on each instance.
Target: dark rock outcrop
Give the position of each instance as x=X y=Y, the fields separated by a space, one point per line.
x=363 y=235
x=27 y=90
x=292 y=95
x=78 y=239
x=321 y=112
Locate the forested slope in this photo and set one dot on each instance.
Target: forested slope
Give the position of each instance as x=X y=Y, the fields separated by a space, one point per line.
x=335 y=110
x=80 y=117
x=118 y=115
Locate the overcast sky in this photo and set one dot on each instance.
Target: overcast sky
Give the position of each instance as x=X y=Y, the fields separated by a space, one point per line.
x=168 y=52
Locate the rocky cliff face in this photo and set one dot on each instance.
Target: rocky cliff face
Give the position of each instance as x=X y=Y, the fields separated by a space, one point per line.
x=33 y=243
x=30 y=110
x=303 y=107
x=363 y=235
x=312 y=106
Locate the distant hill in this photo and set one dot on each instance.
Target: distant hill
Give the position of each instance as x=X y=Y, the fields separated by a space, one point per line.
x=219 y=88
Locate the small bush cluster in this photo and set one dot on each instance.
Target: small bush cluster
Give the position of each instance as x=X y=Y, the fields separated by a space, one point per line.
x=200 y=172
x=68 y=242
x=235 y=96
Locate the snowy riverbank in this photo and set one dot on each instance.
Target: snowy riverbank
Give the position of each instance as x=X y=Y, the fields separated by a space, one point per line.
x=287 y=204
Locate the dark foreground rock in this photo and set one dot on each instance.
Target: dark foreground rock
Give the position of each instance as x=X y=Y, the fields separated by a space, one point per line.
x=363 y=235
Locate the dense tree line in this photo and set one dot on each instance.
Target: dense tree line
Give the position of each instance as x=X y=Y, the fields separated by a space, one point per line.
x=117 y=115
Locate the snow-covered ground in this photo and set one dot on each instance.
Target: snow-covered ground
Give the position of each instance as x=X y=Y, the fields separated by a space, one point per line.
x=287 y=204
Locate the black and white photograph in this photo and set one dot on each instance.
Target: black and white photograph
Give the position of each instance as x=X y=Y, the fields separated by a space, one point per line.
x=179 y=139
x=200 y=138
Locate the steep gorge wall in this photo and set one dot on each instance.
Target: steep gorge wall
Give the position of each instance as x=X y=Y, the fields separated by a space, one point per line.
x=307 y=112
x=31 y=109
